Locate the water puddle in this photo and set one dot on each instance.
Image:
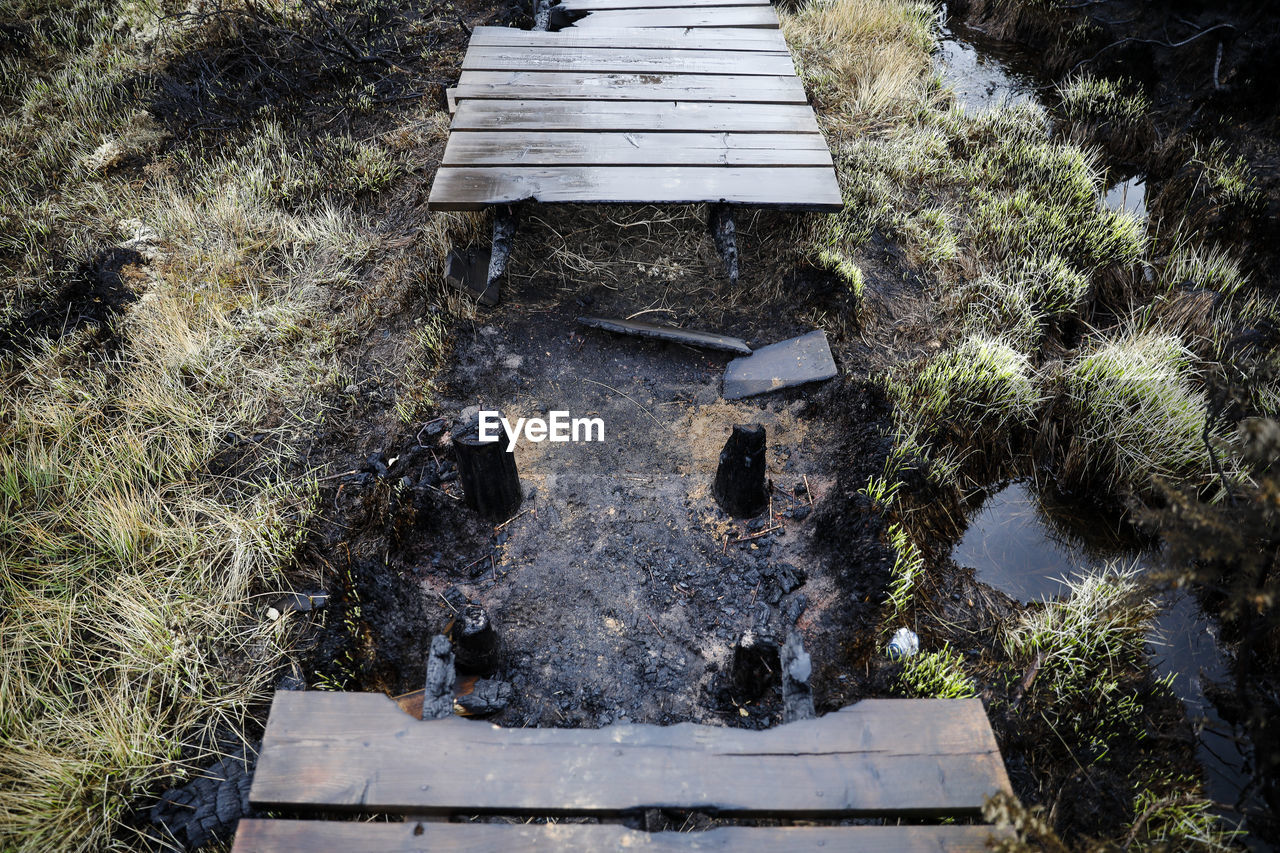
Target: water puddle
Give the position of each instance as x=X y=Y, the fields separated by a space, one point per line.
x=1129 y=194
x=1024 y=541
x=980 y=72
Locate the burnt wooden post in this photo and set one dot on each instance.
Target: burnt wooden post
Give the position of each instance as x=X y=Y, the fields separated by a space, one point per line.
x=437 y=698
x=797 y=695
x=740 y=487
x=755 y=665
x=723 y=233
x=487 y=471
x=476 y=641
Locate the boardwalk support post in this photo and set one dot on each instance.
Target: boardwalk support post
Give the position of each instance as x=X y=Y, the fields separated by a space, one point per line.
x=505 y=221
x=740 y=486
x=720 y=224
x=487 y=470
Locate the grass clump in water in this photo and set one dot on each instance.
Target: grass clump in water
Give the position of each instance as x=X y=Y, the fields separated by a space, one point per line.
x=983 y=383
x=1096 y=99
x=937 y=675
x=1137 y=413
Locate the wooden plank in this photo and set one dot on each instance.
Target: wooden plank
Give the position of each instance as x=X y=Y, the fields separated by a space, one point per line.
x=413 y=836
x=597 y=5
x=498 y=148
x=359 y=751
x=722 y=38
x=658 y=331
x=511 y=116
x=606 y=59
x=577 y=86
x=724 y=16
x=474 y=188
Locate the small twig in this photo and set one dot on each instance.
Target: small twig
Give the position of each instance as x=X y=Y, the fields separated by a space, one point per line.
x=764 y=532
x=337 y=476
x=628 y=396
x=655 y=626
x=442 y=491
x=1135 y=40
x=514 y=517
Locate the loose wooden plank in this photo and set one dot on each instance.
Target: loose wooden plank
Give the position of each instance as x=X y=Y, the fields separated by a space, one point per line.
x=720 y=38
x=576 y=86
x=597 y=5
x=604 y=59
x=499 y=148
x=796 y=187
x=691 y=337
x=511 y=116
x=412 y=836
x=354 y=751
x=724 y=16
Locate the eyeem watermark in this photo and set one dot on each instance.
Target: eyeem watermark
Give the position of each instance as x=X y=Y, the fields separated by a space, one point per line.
x=557 y=427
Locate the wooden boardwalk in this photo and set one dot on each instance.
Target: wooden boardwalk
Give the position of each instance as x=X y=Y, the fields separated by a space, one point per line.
x=641 y=101
x=360 y=753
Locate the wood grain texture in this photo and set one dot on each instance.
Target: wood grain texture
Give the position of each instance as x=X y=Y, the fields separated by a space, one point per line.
x=536 y=148
x=633 y=60
x=412 y=836
x=797 y=187
x=510 y=116
x=578 y=86
x=722 y=16
x=620 y=38
x=360 y=752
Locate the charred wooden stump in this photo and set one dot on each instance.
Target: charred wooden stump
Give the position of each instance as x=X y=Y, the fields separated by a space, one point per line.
x=720 y=224
x=755 y=665
x=475 y=641
x=741 y=488
x=797 y=696
x=437 y=698
x=487 y=470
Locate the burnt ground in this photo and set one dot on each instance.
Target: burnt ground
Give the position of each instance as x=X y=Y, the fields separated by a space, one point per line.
x=614 y=590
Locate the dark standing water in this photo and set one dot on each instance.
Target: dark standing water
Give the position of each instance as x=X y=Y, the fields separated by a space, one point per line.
x=1129 y=194
x=1024 y=542
x=981 y=74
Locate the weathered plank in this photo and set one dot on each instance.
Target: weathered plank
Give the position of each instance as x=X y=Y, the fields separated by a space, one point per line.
x=412 y=836
x=510 y=116
x=690 y=337
x=578 y=86
x=354 y=751
x=597 y=5
x=537 y=148
x=796 y=187
x=722 y=38
x=604 y=59
x=724 y=16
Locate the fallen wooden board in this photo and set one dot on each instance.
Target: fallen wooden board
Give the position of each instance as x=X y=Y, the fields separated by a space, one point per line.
x=297 y=836
x=797 y=361
x=889 y=757
x=691 y=337
x=604 y=59
x=587 y=86
x=597 y=5
x=724 y=16
x=797 y=187
x=511 y=116
x=620 y=38
x=537 y=148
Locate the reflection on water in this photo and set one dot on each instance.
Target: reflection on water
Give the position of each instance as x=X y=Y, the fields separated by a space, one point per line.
x=980 y=73
x=1129 y=194
x=1023 y=542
